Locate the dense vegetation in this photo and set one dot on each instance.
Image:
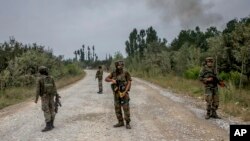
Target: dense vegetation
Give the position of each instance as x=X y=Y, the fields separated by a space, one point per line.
x=157 y=60
x=19 y=68
x=150 y=55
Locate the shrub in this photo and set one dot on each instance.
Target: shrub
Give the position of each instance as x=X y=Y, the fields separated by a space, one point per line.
x=224 y=76
x=73 y=69
x=192 y=73
x=235 y=78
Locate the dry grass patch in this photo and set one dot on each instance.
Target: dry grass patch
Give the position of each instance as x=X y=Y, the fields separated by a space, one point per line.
x=232 y=101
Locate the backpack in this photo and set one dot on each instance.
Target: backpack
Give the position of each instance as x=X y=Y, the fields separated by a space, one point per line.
x=48 y=86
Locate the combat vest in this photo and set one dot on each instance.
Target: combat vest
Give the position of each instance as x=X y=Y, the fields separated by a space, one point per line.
x=210 y=72
x=121 y=81
x=48 y=85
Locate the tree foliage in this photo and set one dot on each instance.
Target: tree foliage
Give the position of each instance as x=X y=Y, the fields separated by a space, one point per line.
x=150 y=55
x=19 y=63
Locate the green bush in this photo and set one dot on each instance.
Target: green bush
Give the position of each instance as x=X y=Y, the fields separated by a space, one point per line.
x=224 y=76
x=192 y=73
x=235 y=77
x=73 y=69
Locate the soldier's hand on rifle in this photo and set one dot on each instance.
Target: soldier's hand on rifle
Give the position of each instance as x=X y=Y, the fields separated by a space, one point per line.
x=222 y=84
x=209 y=79
x=122 y=94
x=113 y=81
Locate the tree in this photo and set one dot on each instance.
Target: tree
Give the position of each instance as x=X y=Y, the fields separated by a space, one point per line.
x=93 y=48
x=216 y=49
x=75 y=52
x=83 y=53
x=241 y=36
x=142 y=43
x=89 y=54
x=151 y=35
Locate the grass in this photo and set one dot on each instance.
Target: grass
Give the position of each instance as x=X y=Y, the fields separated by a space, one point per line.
x=13 y=96
x=69 y=80
x=233 y=101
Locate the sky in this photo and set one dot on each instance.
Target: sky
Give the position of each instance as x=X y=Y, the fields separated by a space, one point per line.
x=65 y=25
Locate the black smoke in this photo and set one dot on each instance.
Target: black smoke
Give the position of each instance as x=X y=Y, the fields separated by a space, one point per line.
x=189 y=13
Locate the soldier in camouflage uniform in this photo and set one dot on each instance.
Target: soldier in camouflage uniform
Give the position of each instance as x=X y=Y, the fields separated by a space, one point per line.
x=99 y=76
x=121 y=82
x=208 y=76
x=46 y=89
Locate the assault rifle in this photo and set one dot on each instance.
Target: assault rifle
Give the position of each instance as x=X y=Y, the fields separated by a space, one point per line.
x=57 y=102
x=215 y=79
x=119 y=87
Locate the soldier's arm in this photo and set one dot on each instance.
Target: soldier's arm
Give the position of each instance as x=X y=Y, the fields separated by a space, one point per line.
x=55 y=89
x=201 y=76
x=204 y=79
x=129 y=79
x=109 y=79
x=38 y=90
x=128 y=86
x=97 y=74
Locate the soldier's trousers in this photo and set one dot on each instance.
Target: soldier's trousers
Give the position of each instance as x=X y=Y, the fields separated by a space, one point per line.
x=48 y=107
x=122 y=103
x=100 y=85
x=212 y=99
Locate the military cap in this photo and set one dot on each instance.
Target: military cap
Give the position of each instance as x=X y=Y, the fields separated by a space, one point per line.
x=209 y=59
x=43 y=69
x=120 y=62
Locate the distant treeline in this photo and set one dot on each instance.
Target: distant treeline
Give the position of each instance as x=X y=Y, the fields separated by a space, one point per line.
x=149 y=55
x=87 y=58
x=19 y=63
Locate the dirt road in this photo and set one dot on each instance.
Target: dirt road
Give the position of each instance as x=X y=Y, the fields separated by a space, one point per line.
x=156 y=115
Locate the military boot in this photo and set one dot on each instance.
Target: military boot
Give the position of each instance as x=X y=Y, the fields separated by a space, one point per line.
x=208 y=115
x=47 y=127
x=128 y=125
x=52 y=123
x=214 y=115
x=119 y=124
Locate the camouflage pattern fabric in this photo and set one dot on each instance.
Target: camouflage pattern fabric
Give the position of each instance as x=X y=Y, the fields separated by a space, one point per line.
x=100 y=85
x=47 y=100
x=211 y=89
x=48 y=107
x=99 y=76
x=121 y=103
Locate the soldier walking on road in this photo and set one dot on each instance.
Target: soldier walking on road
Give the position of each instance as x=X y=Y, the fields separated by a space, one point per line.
x=99 y=76
x=209 y=78
x=46 y=89
x=121 y=82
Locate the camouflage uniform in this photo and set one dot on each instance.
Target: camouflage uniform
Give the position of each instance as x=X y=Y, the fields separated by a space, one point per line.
x=211 y=90
x=47 y=100
x=99 y=76
x=121 y=102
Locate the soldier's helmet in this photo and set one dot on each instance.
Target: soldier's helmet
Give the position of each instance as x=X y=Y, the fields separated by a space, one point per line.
x=119 y=63
x=209 y=59
x=43 y=70
x=99 y=67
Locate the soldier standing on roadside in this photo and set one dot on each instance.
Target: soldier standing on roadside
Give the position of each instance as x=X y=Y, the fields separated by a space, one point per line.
x=121 y=82
x=46 y=89
x=99 y=76
x=209 y=78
